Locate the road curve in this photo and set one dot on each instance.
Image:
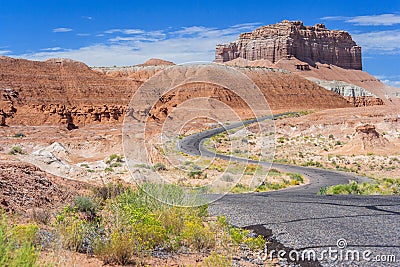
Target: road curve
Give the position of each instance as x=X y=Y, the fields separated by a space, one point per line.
x=296 y=219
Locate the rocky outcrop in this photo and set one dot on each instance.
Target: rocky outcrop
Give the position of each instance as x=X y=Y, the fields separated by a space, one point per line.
x=67 y=92
x=7 y=108
x=292 y=39
x=24 y=187
x=283 y=91
x=355 y=95
x=60 y=91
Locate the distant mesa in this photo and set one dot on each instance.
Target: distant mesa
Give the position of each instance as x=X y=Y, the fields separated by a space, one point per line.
x=289 y=39
x=157 y=62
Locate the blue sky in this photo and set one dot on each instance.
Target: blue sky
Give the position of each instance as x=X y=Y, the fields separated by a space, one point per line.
x=107 y=33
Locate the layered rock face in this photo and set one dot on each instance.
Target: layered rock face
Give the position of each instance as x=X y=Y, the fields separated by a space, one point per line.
x=60 y=91
x=70 y=93
x=293 y=39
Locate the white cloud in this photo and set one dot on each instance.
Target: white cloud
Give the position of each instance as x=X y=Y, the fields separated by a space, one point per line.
x=87 y=17
x=375 y=20
x=391 y=80
x=83 y=34
x=379 y=41
x=3 y=52
x=188 y=44
x=371 y=20
x=391 y=83
x=62 y=30
x=57 y=48
x=124 y=31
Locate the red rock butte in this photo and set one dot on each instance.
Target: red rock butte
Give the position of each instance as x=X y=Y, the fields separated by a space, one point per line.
x=292 y=39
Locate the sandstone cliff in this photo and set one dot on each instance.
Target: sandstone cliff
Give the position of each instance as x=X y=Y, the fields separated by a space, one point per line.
x=60 y=91
x=70 y=93
x=292 y=39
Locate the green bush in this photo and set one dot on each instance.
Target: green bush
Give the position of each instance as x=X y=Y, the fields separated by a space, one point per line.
x=19 y=135
x=117 y=248
x=160 y=167
x=85 y=204
x=145 y=223
x=17 y=244
x=323 y=190
x=115 y=158
x=73 y=229
x=296 y=177
x=312 y=163
x=15 y=150
x=242 y=236
x=108 y=191
x=197 y=235
x=115 y=165
x=216 y=259
x=108 y=169
x=382 y=187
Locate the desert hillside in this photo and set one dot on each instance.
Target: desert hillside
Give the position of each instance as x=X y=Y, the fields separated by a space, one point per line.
x=60 y=91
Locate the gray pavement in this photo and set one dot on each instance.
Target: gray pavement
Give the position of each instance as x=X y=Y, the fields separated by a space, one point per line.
x=300 y=222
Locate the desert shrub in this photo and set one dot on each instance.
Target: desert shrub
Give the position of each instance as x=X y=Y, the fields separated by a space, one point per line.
x=312 y=163
x=243 y=236
x=115 y=165
x=17 y=244
x=108 y=169
x=382 y=187
x=115 y=158
x=16 y=150
x=240 y=188
x=197 y=235
x=216 y=259
x=130 y=224
x=323 y=190
x=238 y=235
x=144 y=223
x=41 y=216
x=227 y=178
x=250 y=169
x=274 y=172
x=19 y=135
x=255 y=243
x=338 y=143
x=76 y=233
x=117 y=248
x=195 y=174
x=85 y=204
x=160 y=167
x=296 y=177
x=266 y=186
x=108 y=191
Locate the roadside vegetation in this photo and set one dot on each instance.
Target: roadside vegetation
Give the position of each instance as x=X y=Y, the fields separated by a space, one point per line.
x=276 y=180
x=321 y=151
x=17 y=243
x=125 y=226
x=386 y=186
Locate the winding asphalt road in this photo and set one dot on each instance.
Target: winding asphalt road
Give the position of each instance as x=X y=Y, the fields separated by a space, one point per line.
x=300 y=222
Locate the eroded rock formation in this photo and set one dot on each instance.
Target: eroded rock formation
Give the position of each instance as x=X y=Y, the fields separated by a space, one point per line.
x=292 y=39
x=60 y=91
x=67 y=92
